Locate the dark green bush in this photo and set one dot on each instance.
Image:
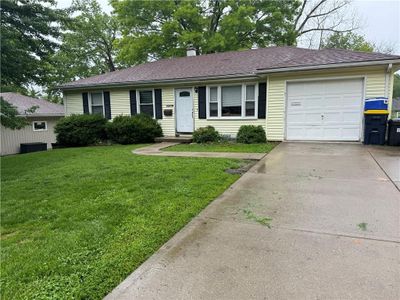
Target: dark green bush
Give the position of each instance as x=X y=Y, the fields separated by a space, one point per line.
x=206 y=135
x=250 y=134
x=132 y=130
x=80 y=130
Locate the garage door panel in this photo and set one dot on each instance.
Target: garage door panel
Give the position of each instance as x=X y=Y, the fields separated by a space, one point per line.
x=341 y=118
x=324 y=110
x=351 y=117
x=300 y=118
x=313 y=131
x=305 y=103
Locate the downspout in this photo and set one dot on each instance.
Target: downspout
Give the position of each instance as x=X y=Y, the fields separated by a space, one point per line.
x=388 y=87
x=387 y=79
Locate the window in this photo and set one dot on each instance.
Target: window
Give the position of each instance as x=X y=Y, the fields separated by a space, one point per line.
x=250 y=101
x=96 y=103
x=146 y=102
x=184 y=94
x=232 y=101
x=39 y=125
x=213 y=102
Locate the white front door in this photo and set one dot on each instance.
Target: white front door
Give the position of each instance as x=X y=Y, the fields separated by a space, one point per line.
x=327 y=110
x=184 y=110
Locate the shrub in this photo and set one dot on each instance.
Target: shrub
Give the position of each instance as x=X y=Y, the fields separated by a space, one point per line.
x=80 y=130
x=250 y=134
x=206 y=135
x=131 y=130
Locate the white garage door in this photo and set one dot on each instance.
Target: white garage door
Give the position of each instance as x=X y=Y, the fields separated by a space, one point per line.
x=328 y=110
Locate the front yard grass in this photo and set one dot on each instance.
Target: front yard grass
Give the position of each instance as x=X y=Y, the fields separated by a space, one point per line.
x=75 y=222
x=224 y=147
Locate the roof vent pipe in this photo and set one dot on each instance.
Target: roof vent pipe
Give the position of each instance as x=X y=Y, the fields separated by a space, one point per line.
x=191 y=51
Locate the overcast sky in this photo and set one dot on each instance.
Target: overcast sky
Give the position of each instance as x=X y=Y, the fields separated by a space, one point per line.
x=380 y=20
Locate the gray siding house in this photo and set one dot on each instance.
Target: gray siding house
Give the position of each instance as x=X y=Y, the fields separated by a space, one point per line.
x=41 y=123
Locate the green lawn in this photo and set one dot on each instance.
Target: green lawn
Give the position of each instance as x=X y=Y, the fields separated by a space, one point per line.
x=75 y=222
x=224 y=147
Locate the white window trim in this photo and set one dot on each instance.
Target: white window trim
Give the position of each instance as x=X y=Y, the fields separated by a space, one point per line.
x=243 y=102
x=138 y=101
x=90 y=101
x=33 y=125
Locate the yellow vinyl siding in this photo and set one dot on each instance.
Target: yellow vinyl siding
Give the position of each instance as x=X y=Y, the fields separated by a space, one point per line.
x=168 y=101
x=120 y=105
x=276 y=98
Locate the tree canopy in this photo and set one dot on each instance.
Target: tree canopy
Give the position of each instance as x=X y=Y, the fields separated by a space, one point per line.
x=158 y=29
x=349 y=41
x=87 y=43
x=29 y=30
x=44 y=47
x=396 y=86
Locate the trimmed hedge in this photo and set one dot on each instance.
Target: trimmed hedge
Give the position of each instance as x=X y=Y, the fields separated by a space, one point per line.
x=80 y=130
x=206 y=135
x=250 y=134
x=132 y=130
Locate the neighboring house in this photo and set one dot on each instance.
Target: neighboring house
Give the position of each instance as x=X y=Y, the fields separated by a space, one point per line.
x=396 y=108
x=41 y=123
x=294 y=93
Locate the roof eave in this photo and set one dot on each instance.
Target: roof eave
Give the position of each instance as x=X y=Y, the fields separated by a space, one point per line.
x=328 y=66
x=42 y=115
x=186 y=80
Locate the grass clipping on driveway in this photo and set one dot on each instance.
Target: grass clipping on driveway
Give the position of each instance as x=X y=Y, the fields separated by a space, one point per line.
x=76 y=222
x=224 y=147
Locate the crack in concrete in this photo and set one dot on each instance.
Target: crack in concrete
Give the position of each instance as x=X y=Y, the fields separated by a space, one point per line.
x=387 y=175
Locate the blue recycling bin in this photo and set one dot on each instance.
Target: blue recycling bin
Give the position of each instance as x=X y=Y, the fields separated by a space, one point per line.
x=377 y=103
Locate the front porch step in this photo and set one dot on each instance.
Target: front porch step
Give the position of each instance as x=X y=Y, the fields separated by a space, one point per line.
x=187 y=139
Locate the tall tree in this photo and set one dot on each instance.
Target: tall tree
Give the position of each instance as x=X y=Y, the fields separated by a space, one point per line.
x=349 y=41
x=87 y=43
x=315 y=19
x=158 y=29
x=28 y=38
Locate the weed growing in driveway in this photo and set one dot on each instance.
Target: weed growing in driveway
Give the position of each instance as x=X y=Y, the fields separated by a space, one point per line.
x=362 y=226
x=262 y=220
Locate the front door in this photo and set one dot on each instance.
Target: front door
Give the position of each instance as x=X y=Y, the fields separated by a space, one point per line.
x=184 y=110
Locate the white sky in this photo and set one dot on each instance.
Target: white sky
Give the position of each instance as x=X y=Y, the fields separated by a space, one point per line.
x=380 y=20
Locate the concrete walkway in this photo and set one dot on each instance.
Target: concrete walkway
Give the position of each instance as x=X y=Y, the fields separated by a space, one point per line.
x=334 y=234
x=155 y=149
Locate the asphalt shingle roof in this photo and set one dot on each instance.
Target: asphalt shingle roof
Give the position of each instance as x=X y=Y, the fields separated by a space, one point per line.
x=23 y=103
x=233 y=63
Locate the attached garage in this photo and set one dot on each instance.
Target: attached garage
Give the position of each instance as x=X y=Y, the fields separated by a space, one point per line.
x=325 y=110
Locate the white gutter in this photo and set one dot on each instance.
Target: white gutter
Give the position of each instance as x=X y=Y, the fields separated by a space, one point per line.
x=329 y=66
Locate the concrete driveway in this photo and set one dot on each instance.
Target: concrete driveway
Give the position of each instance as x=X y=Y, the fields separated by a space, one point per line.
x=334 y=233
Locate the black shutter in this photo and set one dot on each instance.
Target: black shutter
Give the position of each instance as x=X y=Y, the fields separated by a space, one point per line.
x=85 y=101
x=158 y=103
x=107 y=105
x=262 y=100
x=132 y=99
x=202 y=102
